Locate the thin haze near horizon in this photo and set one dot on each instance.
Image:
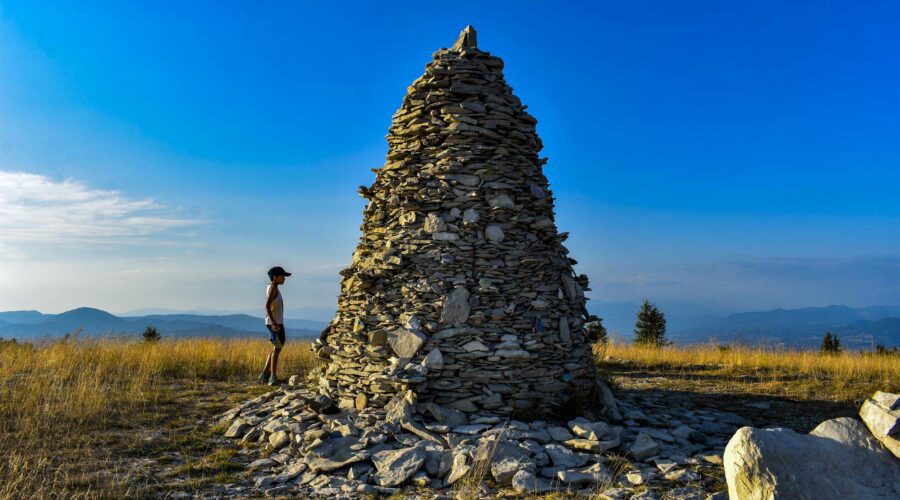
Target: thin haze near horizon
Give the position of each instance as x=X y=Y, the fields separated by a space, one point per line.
x=164 y=155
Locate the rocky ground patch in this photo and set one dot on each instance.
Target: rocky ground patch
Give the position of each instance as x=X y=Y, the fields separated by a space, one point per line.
x=406 y=447
x=669 y=444
x=177 y=448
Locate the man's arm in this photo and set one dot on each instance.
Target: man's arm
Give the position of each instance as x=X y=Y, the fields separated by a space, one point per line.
x=269 y=300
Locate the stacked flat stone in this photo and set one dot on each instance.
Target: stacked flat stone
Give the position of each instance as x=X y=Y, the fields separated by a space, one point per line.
x=460 y=288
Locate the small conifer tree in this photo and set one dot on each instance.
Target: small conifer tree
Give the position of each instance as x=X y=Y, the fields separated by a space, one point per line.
x=826 y=343
x=880 y=349
x=151 y=334
x=596 y=331
x=650 y=327
x=831 y=344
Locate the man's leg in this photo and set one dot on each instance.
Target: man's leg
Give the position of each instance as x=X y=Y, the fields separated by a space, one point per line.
x=264 y=376
x=278 y=340
x=275 y=353
x=268 y=367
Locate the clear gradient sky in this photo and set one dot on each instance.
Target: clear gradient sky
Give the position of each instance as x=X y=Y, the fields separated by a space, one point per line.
x=740 y=155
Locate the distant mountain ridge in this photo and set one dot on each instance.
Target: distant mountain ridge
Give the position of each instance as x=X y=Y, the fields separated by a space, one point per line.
x=809 y=315
x=22 y=317
x=857 y=328
x=96 y=322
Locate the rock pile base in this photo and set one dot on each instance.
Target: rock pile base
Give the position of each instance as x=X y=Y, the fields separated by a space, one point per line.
x=408 y=445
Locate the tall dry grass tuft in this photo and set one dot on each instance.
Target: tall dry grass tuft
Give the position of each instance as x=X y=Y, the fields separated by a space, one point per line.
x=846 y=377
x=59 y=399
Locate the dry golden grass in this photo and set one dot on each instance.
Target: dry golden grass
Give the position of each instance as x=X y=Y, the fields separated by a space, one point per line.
x=846 y=377
x=59 y=400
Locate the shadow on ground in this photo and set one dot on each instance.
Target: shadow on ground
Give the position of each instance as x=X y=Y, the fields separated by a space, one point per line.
x=726 y=393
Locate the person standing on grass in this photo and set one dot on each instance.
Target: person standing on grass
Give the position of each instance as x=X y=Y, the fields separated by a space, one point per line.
x=275 y=323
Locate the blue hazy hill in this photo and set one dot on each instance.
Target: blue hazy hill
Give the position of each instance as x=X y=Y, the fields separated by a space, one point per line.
x=22 y=317
x=95 y=322
x=857 y=328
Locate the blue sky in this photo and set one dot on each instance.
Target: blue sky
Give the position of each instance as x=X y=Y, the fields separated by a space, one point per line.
x=164 y=154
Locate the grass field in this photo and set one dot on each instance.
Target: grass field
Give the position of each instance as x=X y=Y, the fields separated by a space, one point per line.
x=79 y=417
x=848 y=377
x=66 y=406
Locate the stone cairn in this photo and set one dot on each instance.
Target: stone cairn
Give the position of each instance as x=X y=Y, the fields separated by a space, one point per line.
x=460 y=288
x=459 y=344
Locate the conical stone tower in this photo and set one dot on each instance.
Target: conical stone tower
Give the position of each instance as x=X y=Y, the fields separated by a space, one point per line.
x=460 y=288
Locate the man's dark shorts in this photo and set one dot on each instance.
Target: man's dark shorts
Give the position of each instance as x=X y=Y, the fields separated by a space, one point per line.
x=276 y=337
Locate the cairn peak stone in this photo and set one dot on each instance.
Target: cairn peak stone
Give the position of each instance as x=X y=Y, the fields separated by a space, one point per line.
x=468 y=38
x=459 y=233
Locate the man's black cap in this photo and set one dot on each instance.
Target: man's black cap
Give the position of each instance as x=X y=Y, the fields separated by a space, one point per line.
x=278 y=271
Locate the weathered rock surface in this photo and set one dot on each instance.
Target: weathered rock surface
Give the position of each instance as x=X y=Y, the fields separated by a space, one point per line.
x=643 y=447
x=396 y=466
x=526 y=482
x=461 y=466
x=838 y=460
x=279 y=439
x=237 y=429
x=404 y=342
x=595 y=474
x=881 y=413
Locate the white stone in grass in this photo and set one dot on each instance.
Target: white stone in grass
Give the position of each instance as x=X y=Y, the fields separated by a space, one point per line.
x=839 y=459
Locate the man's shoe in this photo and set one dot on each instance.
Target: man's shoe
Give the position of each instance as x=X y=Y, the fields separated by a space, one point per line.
x=273 y=380
x=263 y=377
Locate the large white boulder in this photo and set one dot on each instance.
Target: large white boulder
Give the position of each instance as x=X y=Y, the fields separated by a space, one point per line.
x=881 y=413
x=839 y=459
